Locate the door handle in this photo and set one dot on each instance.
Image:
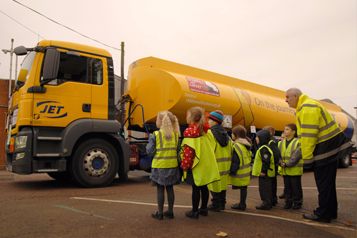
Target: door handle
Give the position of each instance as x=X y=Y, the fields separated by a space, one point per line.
x=86 y=107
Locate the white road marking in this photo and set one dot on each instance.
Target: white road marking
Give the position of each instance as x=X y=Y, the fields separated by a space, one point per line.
x=305 y=222
x=311 y=188
x=83 y=212
x=124 y=202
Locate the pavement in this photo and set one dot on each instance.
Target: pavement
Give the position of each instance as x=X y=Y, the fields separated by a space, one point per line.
x=38 y=206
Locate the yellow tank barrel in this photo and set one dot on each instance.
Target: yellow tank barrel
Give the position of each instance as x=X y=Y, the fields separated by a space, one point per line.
x=159 y=85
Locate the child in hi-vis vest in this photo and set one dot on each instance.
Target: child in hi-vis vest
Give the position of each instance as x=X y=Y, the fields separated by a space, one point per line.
x=264 y=168
x=223 y=152
x=163 y=145
x=198 y=161
x=240 y=167
x=291 y=168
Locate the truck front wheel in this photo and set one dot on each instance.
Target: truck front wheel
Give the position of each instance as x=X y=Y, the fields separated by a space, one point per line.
x=94 y=163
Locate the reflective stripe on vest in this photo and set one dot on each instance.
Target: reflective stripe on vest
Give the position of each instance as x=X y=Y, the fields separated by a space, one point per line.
x=257 y=166
x=242 y=177
x=205 y=169
x=286 y=153
x=166 y=151
x=314 y=125
x=223 y=157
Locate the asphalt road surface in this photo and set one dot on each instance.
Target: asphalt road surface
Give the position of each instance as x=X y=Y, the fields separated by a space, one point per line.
x=38 y=206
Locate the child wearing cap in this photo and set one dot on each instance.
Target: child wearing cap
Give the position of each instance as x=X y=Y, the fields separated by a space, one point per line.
x=223 y=153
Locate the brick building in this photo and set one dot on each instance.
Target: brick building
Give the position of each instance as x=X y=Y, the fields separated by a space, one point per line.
x=4 y=90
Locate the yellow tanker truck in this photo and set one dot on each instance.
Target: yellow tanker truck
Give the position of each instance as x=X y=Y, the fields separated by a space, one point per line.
x=62 y=115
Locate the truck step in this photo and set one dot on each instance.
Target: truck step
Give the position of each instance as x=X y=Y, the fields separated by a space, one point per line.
x=49 y=138
x=48 y=155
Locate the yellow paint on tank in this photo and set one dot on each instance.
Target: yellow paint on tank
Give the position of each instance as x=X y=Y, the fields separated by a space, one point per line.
x=158 y=85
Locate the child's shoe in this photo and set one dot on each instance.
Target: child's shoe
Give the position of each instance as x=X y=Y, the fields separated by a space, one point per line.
x=203 y=212
x=169 y=215
x=157 y=215
x=192 y=214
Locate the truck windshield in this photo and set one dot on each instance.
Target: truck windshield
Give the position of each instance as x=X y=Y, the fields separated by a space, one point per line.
x=26 y=66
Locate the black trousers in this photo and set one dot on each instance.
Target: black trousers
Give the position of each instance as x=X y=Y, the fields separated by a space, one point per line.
x=265 y=190
x=219 y=199
x=293 y=190
x=274 y=187
x=199 y=193
x=243 y=195
x=325 y=177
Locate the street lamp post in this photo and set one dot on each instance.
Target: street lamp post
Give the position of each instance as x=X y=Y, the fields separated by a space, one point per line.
x=11 y=51
x=355 y=125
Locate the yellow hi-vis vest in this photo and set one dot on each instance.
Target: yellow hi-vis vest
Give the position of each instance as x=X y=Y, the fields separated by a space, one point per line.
x=166 y=151
x=257 y=165
x=242 y=177
x=204 y=168
x=286 y=155
x=314 y=125
x=224 y=158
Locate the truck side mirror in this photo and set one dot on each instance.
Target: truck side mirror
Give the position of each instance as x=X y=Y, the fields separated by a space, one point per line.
x=20 y=50
x=51 y=65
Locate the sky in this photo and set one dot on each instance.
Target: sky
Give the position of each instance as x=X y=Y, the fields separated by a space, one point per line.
x=309 y=44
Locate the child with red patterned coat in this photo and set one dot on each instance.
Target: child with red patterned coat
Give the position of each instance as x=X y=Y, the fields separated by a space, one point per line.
x=198 y=161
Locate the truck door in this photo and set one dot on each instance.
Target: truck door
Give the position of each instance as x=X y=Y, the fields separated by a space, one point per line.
x=69 y=97
x=98 y=71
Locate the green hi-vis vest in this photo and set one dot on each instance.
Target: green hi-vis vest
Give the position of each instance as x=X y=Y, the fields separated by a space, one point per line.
x=223 y=158
x=204 y=168
x=242 y=177
x=257 y=165
x=166 y=151
x=286 y=155
x=314 y=125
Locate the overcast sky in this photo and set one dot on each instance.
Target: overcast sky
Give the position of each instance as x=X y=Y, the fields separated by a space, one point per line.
x=310 y=44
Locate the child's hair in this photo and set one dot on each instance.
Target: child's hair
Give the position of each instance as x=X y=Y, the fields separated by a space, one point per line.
x=167 y=122
x=270 y=129
x=292 y=126
x=197 y=116
x=239 y=132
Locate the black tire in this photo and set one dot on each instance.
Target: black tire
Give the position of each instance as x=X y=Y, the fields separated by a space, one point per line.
x=345 y=160
x=94 y=163
x=123 y=176
x=63 y=177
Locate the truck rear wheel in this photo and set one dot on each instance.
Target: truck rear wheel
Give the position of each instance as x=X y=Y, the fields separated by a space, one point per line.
x=94 y=163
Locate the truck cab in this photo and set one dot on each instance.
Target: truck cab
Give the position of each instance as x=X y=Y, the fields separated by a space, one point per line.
x=62 y=115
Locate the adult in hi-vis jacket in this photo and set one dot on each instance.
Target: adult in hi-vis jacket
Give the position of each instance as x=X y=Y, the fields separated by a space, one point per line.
x=321 y=140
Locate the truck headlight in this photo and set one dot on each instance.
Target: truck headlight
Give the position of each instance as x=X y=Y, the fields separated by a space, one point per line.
x=14 y=117
x=20 y=142
x=20 y=156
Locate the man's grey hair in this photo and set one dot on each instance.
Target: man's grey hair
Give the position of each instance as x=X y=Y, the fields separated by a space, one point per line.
x=294 y=91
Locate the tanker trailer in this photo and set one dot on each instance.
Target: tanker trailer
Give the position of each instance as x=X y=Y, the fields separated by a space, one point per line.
x=155 y=85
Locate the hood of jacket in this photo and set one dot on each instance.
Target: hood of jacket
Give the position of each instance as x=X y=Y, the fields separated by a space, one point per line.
x=220 y=135
x=244 y=142
x=264 y=137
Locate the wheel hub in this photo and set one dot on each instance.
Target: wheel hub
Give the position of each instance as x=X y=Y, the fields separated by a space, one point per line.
x=96 y=162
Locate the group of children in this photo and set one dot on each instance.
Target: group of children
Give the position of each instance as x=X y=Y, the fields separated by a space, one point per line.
x=209 y=160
